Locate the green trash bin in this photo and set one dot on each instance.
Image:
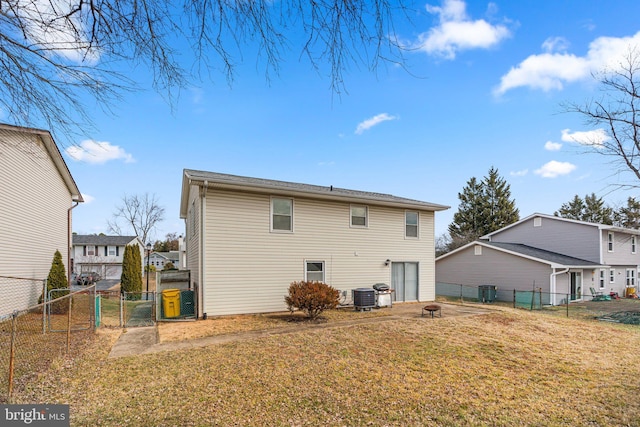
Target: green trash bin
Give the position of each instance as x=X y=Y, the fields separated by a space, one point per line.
x=171 y=303
x=187 y=308
x=487 y=293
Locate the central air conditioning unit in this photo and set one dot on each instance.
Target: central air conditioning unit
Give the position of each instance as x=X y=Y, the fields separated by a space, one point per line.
x=364 y=299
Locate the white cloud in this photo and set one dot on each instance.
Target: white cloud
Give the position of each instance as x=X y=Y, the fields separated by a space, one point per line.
x=554 y=169
x=555 y=68
x=457 y=32
x=555 y=44
x=595 y=138
x=373 y=121
x=552 y=146
x=64 y=37
x=87 y=198
x=98 y=152
x=519 y=173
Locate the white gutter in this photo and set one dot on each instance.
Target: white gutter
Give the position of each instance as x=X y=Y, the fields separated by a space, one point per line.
x=201 y=260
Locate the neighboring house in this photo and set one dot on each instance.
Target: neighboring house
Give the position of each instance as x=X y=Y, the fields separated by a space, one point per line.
x=37 y=194
x=159 y=259
x=561 y=256
x=102 y=254
x=247 y=239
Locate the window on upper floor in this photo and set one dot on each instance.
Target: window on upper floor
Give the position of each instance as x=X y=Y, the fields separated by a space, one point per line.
x=633 y=244
x=477 y=250
x=112 y=251
x=92 y=250
x=610 y=241
x=411 y=224
x=537 y=222
x=281 y=214
x=314 y=271
x=359 y=216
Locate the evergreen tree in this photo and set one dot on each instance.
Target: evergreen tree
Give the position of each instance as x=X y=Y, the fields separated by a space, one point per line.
x=485 y=206
x=57 y=279
x=500 y=209
x=136 y=268
x=572 y=209
x=591 y=209
x=628 y=216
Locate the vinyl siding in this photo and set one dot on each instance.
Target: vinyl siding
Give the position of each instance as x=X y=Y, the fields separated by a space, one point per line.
x=493 y=268
x=249 y=268
x=621 y=254
x=34 y=203
x=576 y=240
x=192 y=239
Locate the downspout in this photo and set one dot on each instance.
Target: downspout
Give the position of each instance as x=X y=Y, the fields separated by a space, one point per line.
x=552 y=282
x=70 y=241
x=203 y=203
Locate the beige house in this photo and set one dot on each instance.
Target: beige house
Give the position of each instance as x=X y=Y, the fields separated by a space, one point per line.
x=36 y=198
x=247 y=239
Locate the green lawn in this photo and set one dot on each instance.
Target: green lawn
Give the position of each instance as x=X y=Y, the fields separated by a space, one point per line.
x=505 y=368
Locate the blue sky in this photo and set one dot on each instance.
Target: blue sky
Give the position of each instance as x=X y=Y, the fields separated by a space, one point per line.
x=485 y=86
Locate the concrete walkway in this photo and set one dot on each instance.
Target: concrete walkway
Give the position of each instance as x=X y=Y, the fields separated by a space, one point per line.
x=145 y=340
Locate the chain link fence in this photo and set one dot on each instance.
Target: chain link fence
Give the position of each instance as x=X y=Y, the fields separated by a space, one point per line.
x=19 y=294
x=615 y=309
x=32 y=338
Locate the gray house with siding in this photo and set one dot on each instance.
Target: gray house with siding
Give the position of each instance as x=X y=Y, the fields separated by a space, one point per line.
x=102 y=254
x=563 y=257
x=247 y=239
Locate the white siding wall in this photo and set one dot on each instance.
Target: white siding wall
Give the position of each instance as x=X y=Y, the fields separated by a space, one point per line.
x=192 y=239
x=33 y=217
x=33 y=207
x=621 y=254
x=249 y=269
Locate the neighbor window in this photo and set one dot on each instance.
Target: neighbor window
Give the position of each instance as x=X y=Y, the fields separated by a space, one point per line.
x=359 y=216
x=631 y=277
x=112 y=251
x=610 y=242
x=633 y=244
x=314 y=271
x=281 y=214
x=602 y=278
x=92 y=250
x=411 y=224
x=612 y=275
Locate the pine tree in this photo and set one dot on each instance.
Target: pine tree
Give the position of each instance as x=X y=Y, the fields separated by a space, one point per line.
x=500 y=209
x=628 y=216
x=131 y=278
x=591 y=209
x=57 y=279
x=485 y=206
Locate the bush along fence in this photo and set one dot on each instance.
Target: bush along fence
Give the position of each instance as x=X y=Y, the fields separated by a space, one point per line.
x=584 y=306
x=32 y=338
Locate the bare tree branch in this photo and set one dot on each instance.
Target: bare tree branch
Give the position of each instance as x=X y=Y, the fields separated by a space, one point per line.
x=54 y=53
x=141 y=214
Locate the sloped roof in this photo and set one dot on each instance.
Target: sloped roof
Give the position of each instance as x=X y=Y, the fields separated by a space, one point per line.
x=260 y=185
x=102 y=240
x=55 y=155
x=554 y=259
x=544 y=255
x=558 y=218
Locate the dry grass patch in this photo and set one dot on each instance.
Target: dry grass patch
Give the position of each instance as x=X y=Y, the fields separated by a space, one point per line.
x=499 y=369
x=221 y=325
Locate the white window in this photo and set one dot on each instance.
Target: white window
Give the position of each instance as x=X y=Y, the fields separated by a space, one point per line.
x=631 y=277
x=314 y=271
x=92 y=250
x=281 y=214
x=610 y=241
x=112 y=251
x=602 y=278
x=477 y=250
x=612 y=275
x=537 y=222
x=411 y=224
x=633 y=244
x=359 y=216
